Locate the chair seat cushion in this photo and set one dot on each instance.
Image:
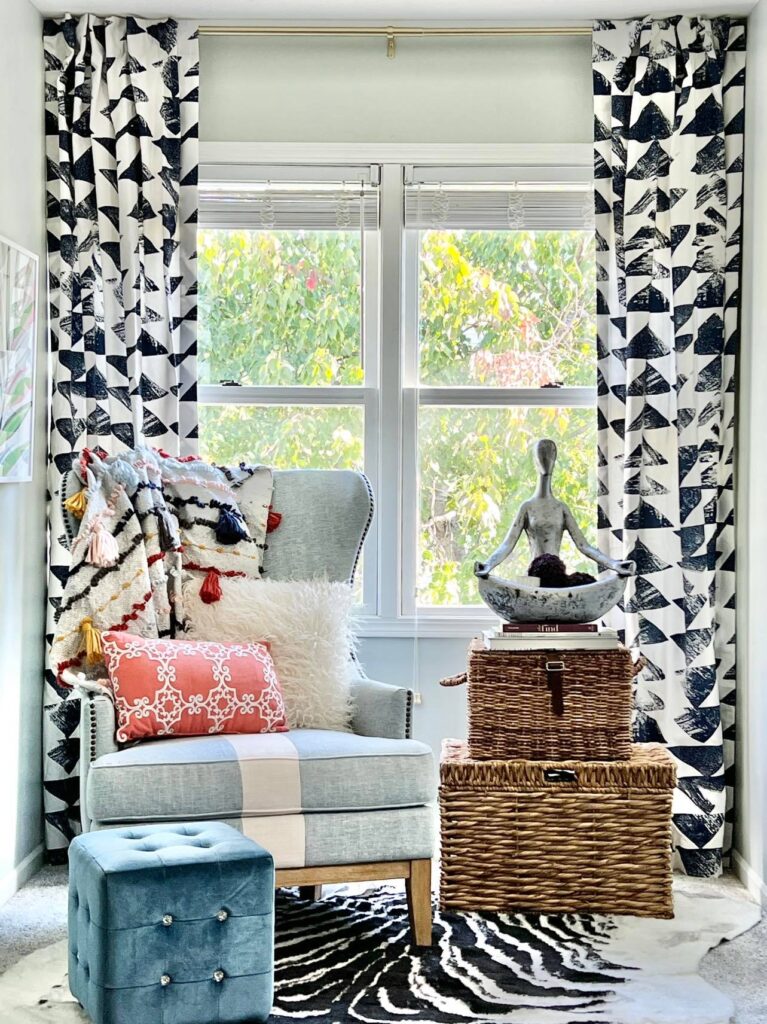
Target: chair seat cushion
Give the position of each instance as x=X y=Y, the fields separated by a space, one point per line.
x=304 y=771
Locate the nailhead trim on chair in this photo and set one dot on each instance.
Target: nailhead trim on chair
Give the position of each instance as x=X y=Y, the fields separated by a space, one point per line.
x=366 y=528
x=409 y=715
x=92 y=719
x=66 y=515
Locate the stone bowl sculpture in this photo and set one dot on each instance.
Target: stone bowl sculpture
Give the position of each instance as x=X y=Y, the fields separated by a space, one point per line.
x=517 y=602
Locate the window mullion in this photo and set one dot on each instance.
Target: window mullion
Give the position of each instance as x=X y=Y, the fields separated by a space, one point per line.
x=371 y=289
x=410 y=396
x=390 y=420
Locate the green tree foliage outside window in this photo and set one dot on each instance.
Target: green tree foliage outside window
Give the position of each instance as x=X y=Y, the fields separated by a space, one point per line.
x=498 y=309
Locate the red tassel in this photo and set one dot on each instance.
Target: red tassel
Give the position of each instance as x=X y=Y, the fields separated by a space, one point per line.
x=273 y=520
x=210 y=591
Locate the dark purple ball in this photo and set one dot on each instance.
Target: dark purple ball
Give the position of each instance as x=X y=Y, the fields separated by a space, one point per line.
x=550 y=570
x=580 y=579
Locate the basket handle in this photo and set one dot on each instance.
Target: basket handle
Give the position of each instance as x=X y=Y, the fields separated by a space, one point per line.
x=559 y=775
x=638 y=665
x=458 y=680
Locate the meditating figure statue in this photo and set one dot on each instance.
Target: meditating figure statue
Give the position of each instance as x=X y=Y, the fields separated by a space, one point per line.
x=544 y=519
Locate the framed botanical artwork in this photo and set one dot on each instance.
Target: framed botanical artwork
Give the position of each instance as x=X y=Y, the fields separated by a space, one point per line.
x=18 y=346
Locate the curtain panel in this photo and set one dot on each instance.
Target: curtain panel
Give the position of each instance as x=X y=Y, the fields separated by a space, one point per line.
x=121 y=109
x=668 y=131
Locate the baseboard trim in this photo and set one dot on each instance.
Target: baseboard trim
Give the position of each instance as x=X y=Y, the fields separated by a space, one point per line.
x=752 y=880
x=13 y=880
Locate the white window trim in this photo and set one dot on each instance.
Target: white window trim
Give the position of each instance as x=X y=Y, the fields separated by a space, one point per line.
x=390 y=396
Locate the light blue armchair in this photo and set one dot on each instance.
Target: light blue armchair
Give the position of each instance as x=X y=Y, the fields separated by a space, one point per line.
x=330 y=806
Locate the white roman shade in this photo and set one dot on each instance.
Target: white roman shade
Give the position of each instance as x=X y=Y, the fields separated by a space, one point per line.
x=498 y=199
x=289 y=197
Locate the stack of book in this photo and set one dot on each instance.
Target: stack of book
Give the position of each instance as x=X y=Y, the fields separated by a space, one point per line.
x=556 y=636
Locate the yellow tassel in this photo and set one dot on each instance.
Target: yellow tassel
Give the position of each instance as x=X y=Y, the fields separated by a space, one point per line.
x=77 y=504
x=92 y=638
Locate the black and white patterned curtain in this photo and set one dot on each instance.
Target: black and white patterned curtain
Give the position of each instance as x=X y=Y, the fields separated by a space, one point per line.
x=121 y=109
x=668 y=129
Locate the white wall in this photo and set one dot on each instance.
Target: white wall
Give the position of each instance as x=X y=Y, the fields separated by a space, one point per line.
x=443 y=91
x=751 y=711
x=533 y=89
x=22 y=506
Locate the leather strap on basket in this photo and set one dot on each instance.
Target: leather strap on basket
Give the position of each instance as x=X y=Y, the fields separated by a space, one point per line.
x=555 y=676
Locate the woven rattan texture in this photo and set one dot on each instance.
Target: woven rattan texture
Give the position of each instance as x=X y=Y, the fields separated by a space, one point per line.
x=511 y=711
x=557 y=837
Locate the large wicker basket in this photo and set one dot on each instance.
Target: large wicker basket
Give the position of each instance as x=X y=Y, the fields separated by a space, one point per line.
x=555 y=837
x=550 y=705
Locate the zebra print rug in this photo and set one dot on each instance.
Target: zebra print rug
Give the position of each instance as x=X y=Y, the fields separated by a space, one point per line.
x=348 y=960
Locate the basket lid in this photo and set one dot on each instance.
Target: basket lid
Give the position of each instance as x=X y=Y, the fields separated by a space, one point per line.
x=650 y=767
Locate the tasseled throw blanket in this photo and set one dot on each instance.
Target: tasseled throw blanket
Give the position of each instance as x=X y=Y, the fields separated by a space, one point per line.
x=145 y=518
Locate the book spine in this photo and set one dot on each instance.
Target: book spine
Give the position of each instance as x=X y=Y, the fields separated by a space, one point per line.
x=550 y=627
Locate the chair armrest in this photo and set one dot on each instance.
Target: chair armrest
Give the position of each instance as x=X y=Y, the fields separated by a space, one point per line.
x=97 y=737
x=380 y=709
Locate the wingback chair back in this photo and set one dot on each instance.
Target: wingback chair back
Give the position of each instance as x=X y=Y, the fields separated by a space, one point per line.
x=326 y=514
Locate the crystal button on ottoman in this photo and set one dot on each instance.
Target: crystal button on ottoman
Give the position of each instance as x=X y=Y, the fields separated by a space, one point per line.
x=171 y=923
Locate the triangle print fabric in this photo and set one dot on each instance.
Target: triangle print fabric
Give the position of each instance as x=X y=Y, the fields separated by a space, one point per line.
x=121 y=109
x=668 y=131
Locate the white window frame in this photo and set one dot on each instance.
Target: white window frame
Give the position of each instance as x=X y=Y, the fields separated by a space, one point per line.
x=391 y=395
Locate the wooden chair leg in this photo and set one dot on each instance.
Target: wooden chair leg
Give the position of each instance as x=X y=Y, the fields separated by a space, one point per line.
x=313 y=893
x=418 y=887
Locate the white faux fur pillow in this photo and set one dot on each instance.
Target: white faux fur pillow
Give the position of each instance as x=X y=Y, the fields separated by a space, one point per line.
x=308 y=628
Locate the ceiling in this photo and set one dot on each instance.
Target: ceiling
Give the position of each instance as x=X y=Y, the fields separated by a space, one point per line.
x=385 y=12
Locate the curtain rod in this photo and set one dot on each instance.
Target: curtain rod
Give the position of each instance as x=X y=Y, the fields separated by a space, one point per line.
x=391 y=32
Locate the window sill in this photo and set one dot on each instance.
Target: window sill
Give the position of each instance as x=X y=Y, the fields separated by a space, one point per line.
x=456 y=624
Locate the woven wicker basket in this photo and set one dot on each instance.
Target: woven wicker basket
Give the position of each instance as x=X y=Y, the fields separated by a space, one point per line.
x=556 y=837
x=549 y=705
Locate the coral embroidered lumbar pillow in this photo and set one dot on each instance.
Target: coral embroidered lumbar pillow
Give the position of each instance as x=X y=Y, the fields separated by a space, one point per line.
x=183 y=688
x=308 y=627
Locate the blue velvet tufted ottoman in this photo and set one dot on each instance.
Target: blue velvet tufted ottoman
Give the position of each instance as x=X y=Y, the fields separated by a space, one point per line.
x=171 y=924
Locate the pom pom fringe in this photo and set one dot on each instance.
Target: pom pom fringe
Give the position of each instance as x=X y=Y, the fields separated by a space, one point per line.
x=273 y=520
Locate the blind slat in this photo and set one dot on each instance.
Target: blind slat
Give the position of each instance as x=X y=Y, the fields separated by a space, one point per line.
x=285 y=211
x=430 y=207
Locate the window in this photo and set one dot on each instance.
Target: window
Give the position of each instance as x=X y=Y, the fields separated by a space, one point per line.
x=425 y=324
x=504 y=353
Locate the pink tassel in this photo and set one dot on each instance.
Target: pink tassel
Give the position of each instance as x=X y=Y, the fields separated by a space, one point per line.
x=102 y=548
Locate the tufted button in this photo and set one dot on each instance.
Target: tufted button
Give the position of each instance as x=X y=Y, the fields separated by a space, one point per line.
x=165 y=979
x=218 y=975
x=222 y=915
x=167 y=920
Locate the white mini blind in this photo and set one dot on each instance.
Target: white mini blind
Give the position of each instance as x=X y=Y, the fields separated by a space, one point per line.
x=454 y=201
x=289 y=198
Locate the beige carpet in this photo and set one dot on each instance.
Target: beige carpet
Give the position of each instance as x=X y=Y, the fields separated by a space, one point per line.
x=655 y=966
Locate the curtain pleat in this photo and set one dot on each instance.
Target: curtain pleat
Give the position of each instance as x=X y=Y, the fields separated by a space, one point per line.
x=668 y=131
x=121 y=109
